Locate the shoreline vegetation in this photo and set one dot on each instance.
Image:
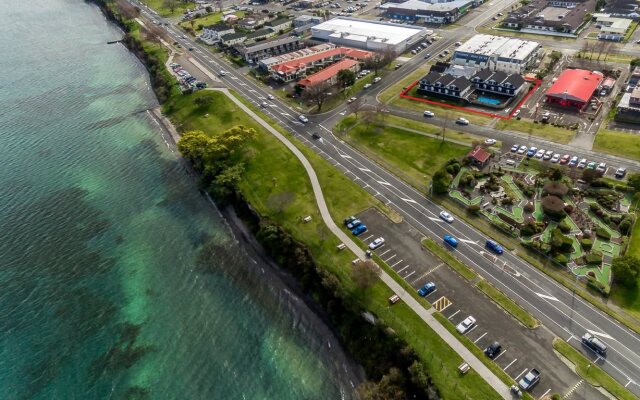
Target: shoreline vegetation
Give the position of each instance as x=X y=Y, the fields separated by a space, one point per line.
x=393 y=368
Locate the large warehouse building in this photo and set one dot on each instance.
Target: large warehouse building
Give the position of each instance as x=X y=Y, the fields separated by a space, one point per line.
x=368 y=35
x=497 y=53
x=574 y=88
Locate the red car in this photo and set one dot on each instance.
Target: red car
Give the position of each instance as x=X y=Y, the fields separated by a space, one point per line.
x=565 y=159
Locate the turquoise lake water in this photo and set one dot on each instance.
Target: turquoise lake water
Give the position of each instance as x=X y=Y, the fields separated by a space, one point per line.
x=118 y=279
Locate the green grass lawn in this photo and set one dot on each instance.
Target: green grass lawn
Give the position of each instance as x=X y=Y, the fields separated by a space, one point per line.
x=591 y=372
x=394 y=90
x=410 y=155
x=553 y=133
x=618 y=143
x=206 y=20
x=509 y=305
x=629 y=298
x=158 y=5
x=441 y=111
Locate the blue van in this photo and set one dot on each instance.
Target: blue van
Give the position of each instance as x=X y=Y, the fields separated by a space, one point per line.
x=451 y=241
x=360 y=229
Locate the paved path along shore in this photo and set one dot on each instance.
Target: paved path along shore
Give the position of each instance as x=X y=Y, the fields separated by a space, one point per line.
x=426 y=315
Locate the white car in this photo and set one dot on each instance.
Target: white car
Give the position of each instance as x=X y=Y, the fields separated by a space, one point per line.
x=377 y=79
x=540 y=153
x=270 y=97
x=223 y=72
x=515 y=114
x=462 y=121
x=428 y=113
x=582 y=163
x=264 y=104
x=376 y=243
x=466 y=325
x=555 y=158
x=446 y=216
x=303 y=119
x=548 y=155
x=367 y=86
x=522 y=149
x=601 y=167
x=490 y=142
x=351 y=100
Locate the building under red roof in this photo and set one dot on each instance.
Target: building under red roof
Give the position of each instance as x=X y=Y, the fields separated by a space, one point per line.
x=574 y=88
x=288 y=70
x=479 y=156
x=330 y=73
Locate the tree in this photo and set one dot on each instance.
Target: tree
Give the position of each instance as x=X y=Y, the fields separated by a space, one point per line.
x=588 y=175
x=633 y=180
x=365 y=274
x=346 y=78
x=445 y=124
x=440 y=182
x=317 y=93
x=556 y=188
x=170 y=4
x=356 y=106
x=203 y=101
x=553 y=206
x=626 y=270
x=389 y=387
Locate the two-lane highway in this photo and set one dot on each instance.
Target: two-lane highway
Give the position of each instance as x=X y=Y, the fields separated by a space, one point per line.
x=567 y=316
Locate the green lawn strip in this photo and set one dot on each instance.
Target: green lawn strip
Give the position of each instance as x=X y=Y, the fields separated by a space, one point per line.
x=449 y=259
x=509 y=305
x=538 y=214
x=441 y=360
x=603 y=225
x=441 y=111
x=632 y=28
x=409 y=155
x=517 y=213
x=458 y=196
x=610 y=213
x=514 y=188
x=158 y=5
x=553 y=133
x=427 y=128
x=572 y=224
x=495 y=368
x=601 y=274
x=546 y=234
x=207 y=20
x=617 y=143
x=577 y=248
x=591 y=372
x=394 y=90
x=606 y=247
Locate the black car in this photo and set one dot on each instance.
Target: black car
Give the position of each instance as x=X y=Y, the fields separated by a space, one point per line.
x=349 y=220
x=315 y=135
x=493 y=350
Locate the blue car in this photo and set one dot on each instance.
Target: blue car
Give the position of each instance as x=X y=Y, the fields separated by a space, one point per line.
x=360 y=229
x=450 y=240
x=427 y=288
x=532 y=151
x=495 y=247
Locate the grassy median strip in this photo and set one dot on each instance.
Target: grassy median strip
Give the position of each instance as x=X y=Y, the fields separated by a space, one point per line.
x=591 y=372
x=478 y=352
x=505 y=302
x=449 y=259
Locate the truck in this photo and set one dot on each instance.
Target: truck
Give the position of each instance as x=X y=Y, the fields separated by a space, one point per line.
x=529 y=380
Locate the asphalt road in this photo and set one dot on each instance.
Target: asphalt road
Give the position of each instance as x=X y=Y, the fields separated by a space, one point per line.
x=567 y=316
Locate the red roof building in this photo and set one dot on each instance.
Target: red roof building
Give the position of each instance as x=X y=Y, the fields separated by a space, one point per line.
x=574 y=88
x=330 y=73
x=293 y=69
x=479 y=156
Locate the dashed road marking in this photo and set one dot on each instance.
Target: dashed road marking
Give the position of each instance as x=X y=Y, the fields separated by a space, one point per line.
x=573 y=389
x=604 y=335
x=364 y=169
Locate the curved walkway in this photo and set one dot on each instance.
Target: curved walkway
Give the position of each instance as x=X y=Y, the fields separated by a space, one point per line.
x=500 y=387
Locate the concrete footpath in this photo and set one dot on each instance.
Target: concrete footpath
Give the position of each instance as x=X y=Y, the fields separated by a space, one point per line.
x=427 y=315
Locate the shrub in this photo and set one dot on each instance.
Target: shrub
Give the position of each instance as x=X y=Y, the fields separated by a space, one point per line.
x=529 y=207
x=625 y=225
x=599 y=287
x=602 y=233
x=586 y=243
x=528 y=230
x=568 y=208
x=561 y=259
x=473 y=209
x=564 y=226
x=553 y=206
x=594 y=257
x=625 y=271
x=507 y=201
x=600 y=183
x=555 y=188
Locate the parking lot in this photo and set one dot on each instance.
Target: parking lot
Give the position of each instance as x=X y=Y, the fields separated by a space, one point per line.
x=522 y=348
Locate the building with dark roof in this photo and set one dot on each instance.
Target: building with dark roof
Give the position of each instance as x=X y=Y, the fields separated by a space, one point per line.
x=439 y=84
x=574 y=88
x=484 y=81
x=629 y=107
x=622 y=9
x=211 y=34
x=279 y=24
x=551 y=17
x=233 y=38
x=256 y=52
x=498 y=82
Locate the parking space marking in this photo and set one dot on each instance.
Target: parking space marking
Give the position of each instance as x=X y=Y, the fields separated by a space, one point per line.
x=396 y=263
x=483 y=335
x=407 y=277
x=420 y=277
x=510 y=364
x=471 y=330
x=521 y=373
x=453 y=315
x=498 y=356
x=405 y=267
x=390 y=258
x=368 y=237
x=545 y=393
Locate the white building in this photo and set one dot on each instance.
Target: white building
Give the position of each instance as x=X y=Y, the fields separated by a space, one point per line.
x=497 y=53
x=211 y=34
x=368 y=35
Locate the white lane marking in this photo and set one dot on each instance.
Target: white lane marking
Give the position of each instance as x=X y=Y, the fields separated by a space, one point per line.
x=407 y=277
x=345 y=156
x=453 y=315
x=409 y=200
x=467 y=241
x=472 y=328
x=364 y=169
x=498 y=356
x=420 y=277
x=434 y=218
x=478 y=339
x=521 y=373
x=510 y=364
x=545 y=393
x=604 y=335
x=384 y=183
x=390 y=258
x=405 y=267
x=368 y=237
x=544 y=296
x=396 y=263
x=385 y=252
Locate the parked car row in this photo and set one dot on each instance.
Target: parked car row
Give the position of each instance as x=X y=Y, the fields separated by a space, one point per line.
x=185 y=78
x=566 y=159
x=354 y=225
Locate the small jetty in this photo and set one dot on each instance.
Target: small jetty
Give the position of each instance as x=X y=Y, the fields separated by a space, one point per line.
x=114 y=41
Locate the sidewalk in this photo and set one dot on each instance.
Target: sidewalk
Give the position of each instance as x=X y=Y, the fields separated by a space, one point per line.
x=500 y=387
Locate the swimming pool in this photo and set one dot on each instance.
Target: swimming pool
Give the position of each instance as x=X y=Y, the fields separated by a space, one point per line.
x=487 y=100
